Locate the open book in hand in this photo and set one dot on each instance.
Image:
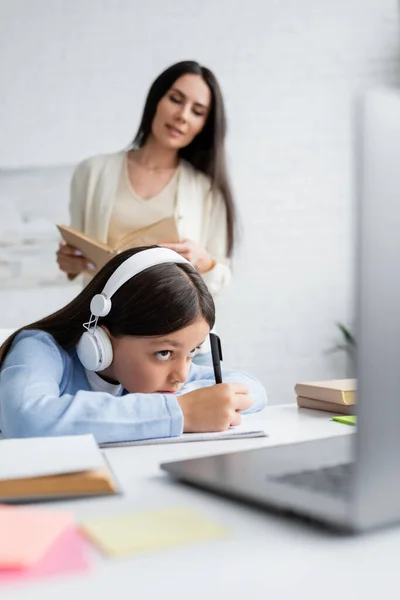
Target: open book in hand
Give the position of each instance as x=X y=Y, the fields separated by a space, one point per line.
x=100 y=253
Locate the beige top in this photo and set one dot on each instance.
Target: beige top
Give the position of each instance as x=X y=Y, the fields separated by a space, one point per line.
x=199 y=212
x=131 y=212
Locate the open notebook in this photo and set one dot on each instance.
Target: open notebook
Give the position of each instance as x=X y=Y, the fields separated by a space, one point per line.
x=239 y=432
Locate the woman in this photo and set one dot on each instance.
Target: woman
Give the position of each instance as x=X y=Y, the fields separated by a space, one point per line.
x=175 y=167
x=129 y=375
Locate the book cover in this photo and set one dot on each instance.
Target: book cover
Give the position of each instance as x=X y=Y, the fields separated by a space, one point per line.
x=338 y=391
x=53 y=467
x=86 y=483
x=341 y=409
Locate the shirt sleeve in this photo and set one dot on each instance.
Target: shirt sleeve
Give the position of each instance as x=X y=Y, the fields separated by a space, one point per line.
x=217 y=243
x=31 y=403
x=78 y=194
x=200 y=376
x=77 y=201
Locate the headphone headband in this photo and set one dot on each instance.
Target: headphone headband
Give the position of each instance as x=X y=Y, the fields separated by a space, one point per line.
x=94 y=349
x=100 y=304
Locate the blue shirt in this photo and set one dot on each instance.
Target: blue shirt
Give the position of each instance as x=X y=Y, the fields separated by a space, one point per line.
x=44 y=391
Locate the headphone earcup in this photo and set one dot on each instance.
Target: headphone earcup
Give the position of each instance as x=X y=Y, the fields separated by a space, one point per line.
x=94 y=350
x=105 y=348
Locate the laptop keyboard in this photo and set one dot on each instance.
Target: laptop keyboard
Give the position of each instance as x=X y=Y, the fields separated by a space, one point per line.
x=334 y=480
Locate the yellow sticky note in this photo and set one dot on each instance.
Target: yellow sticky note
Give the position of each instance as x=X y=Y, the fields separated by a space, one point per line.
x=150 y=530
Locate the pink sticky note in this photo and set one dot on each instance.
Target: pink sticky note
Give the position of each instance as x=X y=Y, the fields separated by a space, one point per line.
x=67 y=555
x=27 y=533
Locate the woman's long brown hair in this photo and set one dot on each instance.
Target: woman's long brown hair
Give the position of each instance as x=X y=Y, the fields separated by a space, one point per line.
x=157 y=301
x=207 y=151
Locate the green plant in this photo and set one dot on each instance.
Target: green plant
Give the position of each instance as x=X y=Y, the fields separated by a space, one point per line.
x=349 y=343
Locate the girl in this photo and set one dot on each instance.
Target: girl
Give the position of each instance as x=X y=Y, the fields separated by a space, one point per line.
x=116 y=361
x=175 y=167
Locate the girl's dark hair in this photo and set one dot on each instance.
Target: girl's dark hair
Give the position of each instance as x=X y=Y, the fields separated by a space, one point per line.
x=157 y=301
x=206 y=152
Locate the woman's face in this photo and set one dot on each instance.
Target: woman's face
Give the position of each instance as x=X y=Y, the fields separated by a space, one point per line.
x=181 y=114
x=155 y=364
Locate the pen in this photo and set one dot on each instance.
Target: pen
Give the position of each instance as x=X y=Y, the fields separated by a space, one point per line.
x=216 y=353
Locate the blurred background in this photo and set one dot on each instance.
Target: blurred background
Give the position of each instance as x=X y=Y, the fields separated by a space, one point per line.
x=74 y=75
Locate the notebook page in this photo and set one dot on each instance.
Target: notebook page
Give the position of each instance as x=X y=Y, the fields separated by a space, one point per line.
x=36 y=457
x=241 y=431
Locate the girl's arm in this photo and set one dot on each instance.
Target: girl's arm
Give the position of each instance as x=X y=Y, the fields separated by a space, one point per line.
x=31 y=403
x=200 y=377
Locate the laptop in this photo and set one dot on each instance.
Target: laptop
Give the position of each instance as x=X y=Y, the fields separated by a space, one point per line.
x=350 y=482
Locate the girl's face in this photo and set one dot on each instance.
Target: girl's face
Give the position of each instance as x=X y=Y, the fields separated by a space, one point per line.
x=181 y=114
x=155 y=364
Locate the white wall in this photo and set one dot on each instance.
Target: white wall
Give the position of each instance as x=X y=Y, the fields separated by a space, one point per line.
x=75 y=74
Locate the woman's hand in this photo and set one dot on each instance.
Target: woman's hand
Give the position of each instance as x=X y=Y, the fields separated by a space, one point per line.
x=214 y=408
x=71 y=261
x=195 y=254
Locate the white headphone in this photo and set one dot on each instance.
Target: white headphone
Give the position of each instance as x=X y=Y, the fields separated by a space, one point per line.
x=94 y=348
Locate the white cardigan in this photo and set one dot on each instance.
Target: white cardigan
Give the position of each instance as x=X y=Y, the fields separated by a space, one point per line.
x=200 y=213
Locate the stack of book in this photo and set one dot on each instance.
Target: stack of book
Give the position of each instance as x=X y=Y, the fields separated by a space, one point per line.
x=337 y=395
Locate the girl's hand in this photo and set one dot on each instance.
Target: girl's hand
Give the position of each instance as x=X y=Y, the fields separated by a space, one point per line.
x=195 y=254
x=214 y=408
x=71 y=261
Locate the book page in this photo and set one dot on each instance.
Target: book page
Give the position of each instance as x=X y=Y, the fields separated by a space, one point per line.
x=161 y=231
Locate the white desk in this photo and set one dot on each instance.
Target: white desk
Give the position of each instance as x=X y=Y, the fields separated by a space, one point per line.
x=267 y=556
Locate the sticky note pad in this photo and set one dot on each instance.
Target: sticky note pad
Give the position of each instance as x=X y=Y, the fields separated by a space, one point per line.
x=26 y=534
x=67 y=555
x=150 y=530
x=346 y=419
